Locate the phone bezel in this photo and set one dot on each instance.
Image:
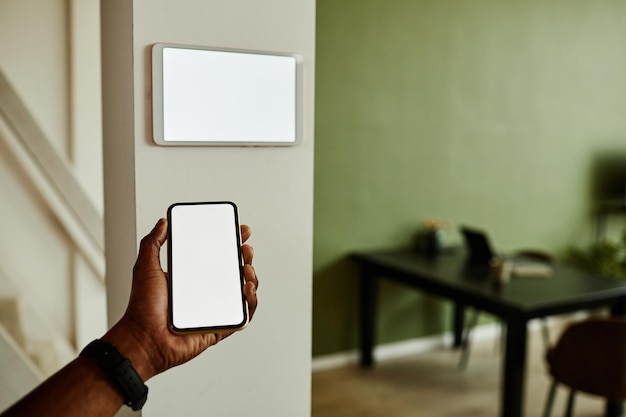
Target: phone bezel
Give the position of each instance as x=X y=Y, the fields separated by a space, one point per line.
x=171 y=275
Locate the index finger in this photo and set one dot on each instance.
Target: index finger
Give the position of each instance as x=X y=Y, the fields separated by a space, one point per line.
x=150 y=246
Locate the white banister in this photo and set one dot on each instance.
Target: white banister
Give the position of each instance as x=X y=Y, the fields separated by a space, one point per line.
x=93 y=254
x=53 y=177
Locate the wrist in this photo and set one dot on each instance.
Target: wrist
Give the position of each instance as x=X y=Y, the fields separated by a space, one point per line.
x=130 y=343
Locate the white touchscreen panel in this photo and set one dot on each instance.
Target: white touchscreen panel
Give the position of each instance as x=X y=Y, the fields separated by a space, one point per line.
x=205 y=96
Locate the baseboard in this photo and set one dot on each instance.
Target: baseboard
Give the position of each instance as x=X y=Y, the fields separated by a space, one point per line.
x=400 y=349
x=418 y=345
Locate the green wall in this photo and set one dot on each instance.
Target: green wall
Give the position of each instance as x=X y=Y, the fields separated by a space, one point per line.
x=485 y=112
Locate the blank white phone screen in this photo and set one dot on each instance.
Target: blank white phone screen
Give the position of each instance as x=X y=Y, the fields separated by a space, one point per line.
x=228 y=97
x=205 y=266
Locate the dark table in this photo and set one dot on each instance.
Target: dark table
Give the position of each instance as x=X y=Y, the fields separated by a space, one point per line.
x=517 y=302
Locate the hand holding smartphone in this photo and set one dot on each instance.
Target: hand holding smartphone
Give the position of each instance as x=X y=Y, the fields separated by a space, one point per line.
x=205 y=268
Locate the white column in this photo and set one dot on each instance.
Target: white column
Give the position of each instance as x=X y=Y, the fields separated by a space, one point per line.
x=264 y=370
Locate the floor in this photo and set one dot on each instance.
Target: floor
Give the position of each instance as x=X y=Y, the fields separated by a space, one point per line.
x=431 y=385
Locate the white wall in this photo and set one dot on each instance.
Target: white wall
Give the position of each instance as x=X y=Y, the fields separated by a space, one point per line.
x=45 y=53
x=35 y=67
x=34 y=55
x=265 y=370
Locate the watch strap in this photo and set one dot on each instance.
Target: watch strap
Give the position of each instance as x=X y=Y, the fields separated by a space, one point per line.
x=120 y=370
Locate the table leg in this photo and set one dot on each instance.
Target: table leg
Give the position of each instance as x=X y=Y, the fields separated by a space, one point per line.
x=514 y=369
x=614 y=409
x=368 y=293
x=459 y=324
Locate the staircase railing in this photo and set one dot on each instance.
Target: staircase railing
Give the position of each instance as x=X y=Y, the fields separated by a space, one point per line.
x=52 y=174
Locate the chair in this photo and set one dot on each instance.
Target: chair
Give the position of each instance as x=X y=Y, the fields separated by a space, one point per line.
x=473 y=321
x=590 y=356
x=530 y=254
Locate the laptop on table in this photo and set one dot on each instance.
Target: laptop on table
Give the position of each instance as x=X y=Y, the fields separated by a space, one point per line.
x=481 y=253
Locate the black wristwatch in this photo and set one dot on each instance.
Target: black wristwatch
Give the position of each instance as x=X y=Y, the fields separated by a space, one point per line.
x=119 y=370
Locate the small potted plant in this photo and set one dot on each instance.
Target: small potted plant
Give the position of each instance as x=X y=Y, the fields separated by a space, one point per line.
x=431 y=235
x=607 y=257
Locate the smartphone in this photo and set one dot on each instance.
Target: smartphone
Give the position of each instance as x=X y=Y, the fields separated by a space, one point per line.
x=205 y=268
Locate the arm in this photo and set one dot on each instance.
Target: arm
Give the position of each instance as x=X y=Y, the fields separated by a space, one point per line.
x=141 y=335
